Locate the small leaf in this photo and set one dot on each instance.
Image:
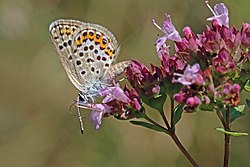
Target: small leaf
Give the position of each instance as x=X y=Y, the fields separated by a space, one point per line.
x=178 y=113
x=247 y=86
x=148 y=125
x=207 y=107
x=156 y=102
x=248 y=102
x=232 y=133
x=167 y=87
x=235 y=112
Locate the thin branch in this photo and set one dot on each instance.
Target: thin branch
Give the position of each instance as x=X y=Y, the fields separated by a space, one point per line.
x=183 y=150
x=221 y=118
x=175 y=138
x=172 y=113
x=227 y=138
x=165 y=120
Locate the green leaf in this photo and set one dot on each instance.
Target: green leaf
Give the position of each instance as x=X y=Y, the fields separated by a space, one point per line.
x=235 y=112
x=247 y=86
x=148 y=125
x=169 y=88
x=178 y=113
x=248 y=102
x=156 y=102
x=207 y=107
x=232 y=133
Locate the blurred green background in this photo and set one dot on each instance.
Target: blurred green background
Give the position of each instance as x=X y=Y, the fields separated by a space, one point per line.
x=36 y=127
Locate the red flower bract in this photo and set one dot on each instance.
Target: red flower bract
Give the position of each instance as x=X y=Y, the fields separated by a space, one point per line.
x=145 y=82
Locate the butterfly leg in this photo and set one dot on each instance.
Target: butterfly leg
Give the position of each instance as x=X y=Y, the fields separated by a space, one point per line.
x=80 y=120
x=79 y=115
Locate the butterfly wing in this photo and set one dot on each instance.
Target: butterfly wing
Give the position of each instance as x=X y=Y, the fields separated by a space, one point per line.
x=96 y=50
x=86 y=51
x=62 y=34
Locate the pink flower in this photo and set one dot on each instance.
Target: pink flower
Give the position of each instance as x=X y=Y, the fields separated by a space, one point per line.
x=193 y=101
x=223 y=62
x=98 y=110
x=220 y=13
x=113 y=93
x=170 y=32
x=190 y=76
x=228 y=94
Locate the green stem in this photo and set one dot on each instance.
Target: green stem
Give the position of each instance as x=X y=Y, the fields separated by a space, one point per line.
x=176 y=140
x=227 y=138
x=221 y=118
x=165 y=120
x=183 y=150
x=171 y=131
x=172 y=113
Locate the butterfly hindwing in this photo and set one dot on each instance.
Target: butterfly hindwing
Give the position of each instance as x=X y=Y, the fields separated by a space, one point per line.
x=87 y=52
x=62 y=34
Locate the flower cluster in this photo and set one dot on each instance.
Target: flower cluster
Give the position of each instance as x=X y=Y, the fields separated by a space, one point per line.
x=217 y=57
x=123 y=104
x=204 y=72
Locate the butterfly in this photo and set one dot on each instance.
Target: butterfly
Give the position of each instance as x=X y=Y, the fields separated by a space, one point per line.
x=87 y=52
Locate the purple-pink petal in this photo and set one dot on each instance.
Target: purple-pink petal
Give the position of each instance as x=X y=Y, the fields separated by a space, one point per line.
x=220 y=14
x=97 y=114
x=189 y=76
x=113 y=93
x=96 y=118
x=169 y=30
x=160 y=42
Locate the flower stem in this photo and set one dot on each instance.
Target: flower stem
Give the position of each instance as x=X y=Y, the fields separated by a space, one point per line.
x=165 y=120
x=221 y=118
x=227 y=138
x=176 y=140
x=172 y=113
x=183 y=150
